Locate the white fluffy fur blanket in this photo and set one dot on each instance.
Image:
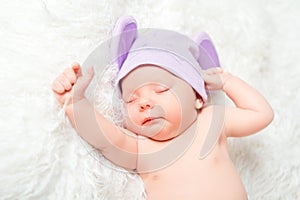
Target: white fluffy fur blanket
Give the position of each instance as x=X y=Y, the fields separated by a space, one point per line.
x=41 y=156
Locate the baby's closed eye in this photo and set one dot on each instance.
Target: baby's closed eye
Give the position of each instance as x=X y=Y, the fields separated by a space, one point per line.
x=161 y=89
x=132 y=99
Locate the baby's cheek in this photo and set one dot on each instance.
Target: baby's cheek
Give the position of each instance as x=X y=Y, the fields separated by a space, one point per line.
x=172 y=110
x=175 y=116
x=131 y=116
x=131 y=122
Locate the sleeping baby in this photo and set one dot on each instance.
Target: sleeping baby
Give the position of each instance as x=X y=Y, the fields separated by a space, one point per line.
x=172 y=135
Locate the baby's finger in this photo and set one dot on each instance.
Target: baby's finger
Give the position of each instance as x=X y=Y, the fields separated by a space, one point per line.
x=214 y=70
x=75 y=65
x=77 y=69
x=70 y=74
x=57 y=87
x=63 y=80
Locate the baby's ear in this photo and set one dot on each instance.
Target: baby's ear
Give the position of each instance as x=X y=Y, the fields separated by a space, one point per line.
x=198 y=103
x=124 y=34
x=208 y=56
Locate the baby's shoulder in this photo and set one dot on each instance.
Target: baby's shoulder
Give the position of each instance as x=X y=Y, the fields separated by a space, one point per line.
x=212 y=112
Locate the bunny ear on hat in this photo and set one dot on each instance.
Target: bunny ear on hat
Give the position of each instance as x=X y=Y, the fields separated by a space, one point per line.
x=124 y=34
x=208 y=56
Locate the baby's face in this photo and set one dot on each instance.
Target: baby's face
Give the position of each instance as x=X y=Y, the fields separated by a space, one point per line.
x=158 y=104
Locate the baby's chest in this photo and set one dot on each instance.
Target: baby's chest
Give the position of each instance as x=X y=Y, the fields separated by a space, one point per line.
x=169 y=158
x=189 y=175
x=185 y=176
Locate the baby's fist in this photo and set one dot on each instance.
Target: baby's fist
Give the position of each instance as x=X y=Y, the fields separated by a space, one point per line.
x=64 y=85
x=214 y=78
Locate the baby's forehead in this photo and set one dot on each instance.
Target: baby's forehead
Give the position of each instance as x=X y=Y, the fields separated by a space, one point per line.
x=147 y=75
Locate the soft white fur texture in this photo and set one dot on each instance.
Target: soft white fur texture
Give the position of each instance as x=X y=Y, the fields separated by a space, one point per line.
x=42 y=157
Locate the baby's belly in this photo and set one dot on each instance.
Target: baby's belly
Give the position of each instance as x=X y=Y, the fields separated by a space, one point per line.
x=190 y=178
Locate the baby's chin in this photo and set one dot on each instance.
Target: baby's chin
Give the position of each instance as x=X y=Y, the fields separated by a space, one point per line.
x=156 y=130
x=160 y=129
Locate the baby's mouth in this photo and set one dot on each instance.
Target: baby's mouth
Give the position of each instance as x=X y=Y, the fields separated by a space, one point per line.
x=148 y=120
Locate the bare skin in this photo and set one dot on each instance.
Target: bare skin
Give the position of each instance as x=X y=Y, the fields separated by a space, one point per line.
x=189 y=177
x=164 y=147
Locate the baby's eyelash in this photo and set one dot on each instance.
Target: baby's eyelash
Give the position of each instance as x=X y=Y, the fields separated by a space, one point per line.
x=131 y=100
x=161 y=90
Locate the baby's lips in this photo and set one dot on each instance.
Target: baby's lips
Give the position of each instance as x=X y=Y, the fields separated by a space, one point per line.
x=149 y=119
x=146 y=120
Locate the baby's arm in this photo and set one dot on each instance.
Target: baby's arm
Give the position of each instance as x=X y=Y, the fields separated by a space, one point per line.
x=115 y=144
x=252 y=112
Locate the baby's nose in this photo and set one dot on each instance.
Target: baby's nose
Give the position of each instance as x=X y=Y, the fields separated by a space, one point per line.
x=145 y=104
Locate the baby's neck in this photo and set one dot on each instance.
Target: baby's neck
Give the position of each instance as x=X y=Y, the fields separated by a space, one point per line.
x=189 y=130
x=167 y=151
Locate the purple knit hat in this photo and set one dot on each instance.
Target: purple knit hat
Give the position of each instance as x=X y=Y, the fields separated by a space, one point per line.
x=169 y=50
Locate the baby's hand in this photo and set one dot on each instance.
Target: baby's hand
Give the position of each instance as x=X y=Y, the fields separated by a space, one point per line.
x=215 y=78
x=64 y=85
